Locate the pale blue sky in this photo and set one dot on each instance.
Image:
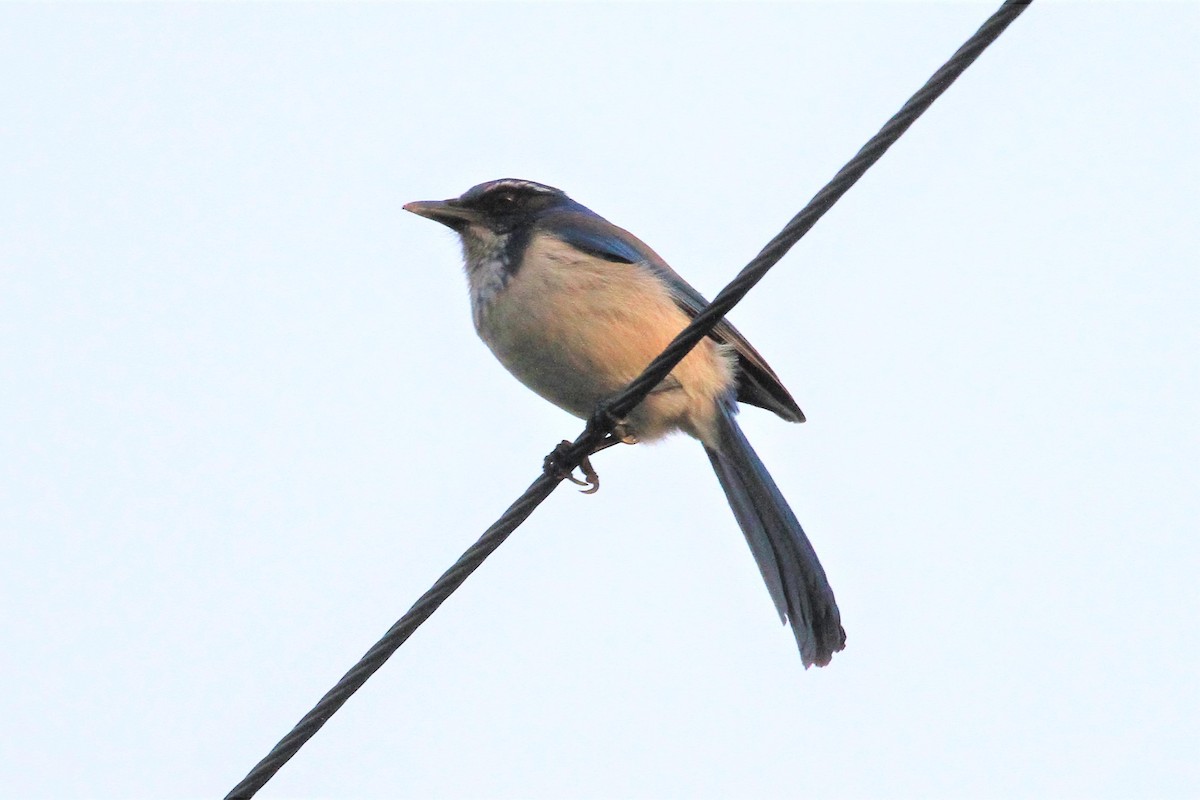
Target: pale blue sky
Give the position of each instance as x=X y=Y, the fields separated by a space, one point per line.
x=245 y=421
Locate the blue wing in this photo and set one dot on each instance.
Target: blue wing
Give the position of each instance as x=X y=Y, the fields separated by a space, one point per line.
x=581 y=228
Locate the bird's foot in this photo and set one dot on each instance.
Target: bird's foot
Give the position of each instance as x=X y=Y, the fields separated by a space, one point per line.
x=622 y=434
x=552 y=466
x=615 y=430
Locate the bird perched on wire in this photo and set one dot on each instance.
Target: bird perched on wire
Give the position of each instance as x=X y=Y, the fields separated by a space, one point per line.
x=576 y=308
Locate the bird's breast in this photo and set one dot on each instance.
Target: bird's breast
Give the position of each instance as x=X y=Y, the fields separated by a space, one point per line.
x=576 y=329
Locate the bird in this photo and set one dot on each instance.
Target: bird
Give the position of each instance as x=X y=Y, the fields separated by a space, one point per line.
x=576 y=307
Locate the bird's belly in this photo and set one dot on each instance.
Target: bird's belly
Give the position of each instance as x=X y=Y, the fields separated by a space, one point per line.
x=556 y=346
x=556 y=373
x=576 y=331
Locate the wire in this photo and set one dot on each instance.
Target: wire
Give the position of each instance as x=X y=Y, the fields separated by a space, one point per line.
x=375 y=658
x=620 y=405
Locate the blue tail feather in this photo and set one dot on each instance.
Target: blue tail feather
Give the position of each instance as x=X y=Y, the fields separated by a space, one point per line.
x=785 y=557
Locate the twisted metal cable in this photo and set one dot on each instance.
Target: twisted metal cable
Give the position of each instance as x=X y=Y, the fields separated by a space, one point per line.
x=872 y=151
x=397 y=635
x=624 y=402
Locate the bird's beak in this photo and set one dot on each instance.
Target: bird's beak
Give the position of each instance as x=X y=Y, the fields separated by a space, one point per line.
x=447 y=212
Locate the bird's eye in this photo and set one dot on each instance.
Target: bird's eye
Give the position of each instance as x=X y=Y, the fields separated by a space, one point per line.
x=505 y=199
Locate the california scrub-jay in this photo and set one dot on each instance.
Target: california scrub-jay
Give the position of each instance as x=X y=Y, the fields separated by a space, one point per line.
x=576 y=307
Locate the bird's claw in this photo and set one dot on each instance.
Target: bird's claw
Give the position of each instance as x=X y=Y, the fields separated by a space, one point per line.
x=591 y=478
x=615 y=430
x=623 y=434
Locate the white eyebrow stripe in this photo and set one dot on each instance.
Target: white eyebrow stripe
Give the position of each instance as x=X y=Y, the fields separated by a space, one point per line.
x=516 y=183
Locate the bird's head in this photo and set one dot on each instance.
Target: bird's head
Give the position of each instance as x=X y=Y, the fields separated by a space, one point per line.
x=495 y=208
x=494 y=219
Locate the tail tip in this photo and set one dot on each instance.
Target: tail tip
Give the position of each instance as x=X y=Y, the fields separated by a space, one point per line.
x=818 y=649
